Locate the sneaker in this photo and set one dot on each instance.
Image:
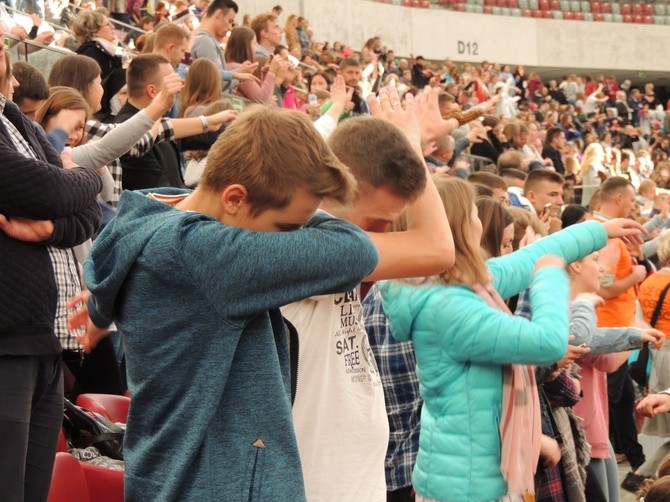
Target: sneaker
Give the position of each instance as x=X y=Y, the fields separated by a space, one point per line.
x=633 y=482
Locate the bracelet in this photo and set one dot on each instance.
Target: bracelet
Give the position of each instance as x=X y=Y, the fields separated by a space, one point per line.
x=205 y=125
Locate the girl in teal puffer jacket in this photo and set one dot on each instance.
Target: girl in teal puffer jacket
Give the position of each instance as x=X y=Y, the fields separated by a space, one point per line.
x=463 y=342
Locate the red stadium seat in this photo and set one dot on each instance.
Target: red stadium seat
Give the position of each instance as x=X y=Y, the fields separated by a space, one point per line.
x=578 y=16
x=569 y=15
x=597 y=17
x=527 y=13
x=115 y=408
x=647 y=20
x=637 y=9
x=625 y=9
x=488 y=9
x=627 y=18
x=543 y=4
x=68 y=481
x=78 y=481
x=605 y=8
x=547 y=14
x=648 y=9
x=595 y=7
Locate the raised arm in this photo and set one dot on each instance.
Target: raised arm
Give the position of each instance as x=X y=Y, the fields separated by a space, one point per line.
x=475 y=332
x=426 y=247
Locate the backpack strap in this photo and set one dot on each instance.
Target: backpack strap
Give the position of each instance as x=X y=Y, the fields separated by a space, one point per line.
x=659 y=305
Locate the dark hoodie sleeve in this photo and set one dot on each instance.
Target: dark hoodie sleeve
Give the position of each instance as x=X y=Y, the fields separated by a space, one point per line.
x=272 y=269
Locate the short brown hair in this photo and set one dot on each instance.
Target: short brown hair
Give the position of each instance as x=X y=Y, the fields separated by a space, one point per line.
x=260 y=23
x=537 y=176
x=254 y=151
x=143 y=71
x=489 y=179
x=511 y=159
x=612 y=186
x=32 y=83
x=379 y=155
x=347 y=62
x=74 y=71
x=167 y=34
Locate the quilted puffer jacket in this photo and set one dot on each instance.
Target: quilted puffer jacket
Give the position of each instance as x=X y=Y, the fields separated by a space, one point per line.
x=461 y=346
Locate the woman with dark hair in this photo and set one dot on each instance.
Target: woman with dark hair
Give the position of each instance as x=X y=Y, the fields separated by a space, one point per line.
x=240 y=48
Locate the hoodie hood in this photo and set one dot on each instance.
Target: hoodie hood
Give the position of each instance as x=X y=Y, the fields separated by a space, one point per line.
x=402 y=301
x=117 y=248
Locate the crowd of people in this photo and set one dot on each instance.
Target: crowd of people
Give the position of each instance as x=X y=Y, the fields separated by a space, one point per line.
x=327 y=274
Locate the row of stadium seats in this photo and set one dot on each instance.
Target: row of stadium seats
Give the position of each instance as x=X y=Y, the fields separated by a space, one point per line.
x=576 y=10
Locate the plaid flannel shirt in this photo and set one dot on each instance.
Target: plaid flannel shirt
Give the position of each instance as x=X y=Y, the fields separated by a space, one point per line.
x=397 y=367
x=97 y=129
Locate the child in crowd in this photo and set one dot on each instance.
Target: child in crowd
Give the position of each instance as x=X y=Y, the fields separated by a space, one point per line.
x=465 y=342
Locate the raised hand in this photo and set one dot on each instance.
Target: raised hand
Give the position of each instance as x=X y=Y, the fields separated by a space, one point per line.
x=164 y=100
x=626 y=229
x=431 y=124
x=218 y=119
x=388 y=107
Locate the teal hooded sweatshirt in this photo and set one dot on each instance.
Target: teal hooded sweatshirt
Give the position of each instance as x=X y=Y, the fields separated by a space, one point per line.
x=207 y=353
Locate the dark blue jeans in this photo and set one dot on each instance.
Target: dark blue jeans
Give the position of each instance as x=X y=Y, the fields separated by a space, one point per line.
x=623 y=430
x=31 y=414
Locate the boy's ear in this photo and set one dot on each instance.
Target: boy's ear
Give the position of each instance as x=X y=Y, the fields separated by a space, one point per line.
x=232 y=198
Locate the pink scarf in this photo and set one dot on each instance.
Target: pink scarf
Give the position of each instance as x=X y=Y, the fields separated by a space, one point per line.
x=520 y=428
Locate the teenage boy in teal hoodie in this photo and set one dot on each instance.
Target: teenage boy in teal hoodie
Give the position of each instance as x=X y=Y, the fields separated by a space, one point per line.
x=194 y=282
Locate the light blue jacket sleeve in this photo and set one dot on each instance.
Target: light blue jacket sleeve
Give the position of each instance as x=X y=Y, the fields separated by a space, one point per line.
x=511 y=274
x=474 y=332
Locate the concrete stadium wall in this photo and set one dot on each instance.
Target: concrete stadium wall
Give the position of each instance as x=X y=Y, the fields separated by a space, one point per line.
x=437 y=33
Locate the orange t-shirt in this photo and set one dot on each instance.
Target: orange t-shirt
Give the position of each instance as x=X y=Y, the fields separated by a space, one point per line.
x=620 y=310
x=649 y=294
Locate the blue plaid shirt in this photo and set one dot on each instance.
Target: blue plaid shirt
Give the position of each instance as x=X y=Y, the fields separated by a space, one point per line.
x=397 y=367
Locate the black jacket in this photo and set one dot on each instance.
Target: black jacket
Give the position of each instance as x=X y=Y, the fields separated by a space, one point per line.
x=38 y=190
x=157 y=168
x=106 y=61
x=549 y=152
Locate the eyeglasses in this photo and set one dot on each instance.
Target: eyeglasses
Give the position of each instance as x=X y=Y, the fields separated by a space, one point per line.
x=107 y=24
